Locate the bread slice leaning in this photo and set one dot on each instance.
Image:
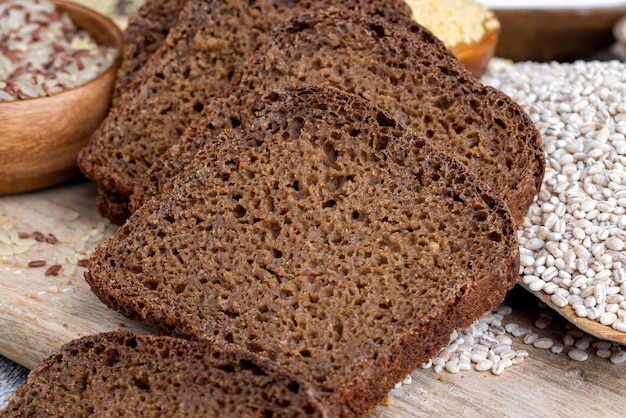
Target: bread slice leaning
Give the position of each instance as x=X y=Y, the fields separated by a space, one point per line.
x=322 y=234
x=196 y=61
x=402 y=68
x=120 y=374
x=145 y=33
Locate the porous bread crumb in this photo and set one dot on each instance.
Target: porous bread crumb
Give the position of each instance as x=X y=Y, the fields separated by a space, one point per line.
x=339 y=356
x=455 y=22
x=388 y=401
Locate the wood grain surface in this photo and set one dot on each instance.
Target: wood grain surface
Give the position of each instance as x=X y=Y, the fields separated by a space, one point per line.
x=38 y=313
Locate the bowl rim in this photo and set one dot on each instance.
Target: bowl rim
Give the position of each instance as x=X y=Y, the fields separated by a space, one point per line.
x=619 y=29
x=115 y=63
x=583 y=12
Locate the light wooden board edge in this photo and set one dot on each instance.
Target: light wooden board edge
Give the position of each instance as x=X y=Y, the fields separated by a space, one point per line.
x=39 y=312
x=594 y=328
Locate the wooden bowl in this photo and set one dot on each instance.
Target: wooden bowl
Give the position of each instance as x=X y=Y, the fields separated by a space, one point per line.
x=563 y=35
x=619 y=32
x=40 y=138
x=476 y=56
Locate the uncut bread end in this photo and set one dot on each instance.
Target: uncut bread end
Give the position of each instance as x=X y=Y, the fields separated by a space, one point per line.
x=120 y=374
x=323 y=235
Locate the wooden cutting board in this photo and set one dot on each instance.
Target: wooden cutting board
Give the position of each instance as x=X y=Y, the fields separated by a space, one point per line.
x=39 y=312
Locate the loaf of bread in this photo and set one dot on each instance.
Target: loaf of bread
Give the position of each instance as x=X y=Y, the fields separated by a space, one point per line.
x=119 y=374
x=196 y=62
x=322 y=234
x=407 y=72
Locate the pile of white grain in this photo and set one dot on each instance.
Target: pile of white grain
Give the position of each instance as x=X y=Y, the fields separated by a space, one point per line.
x=42 y=52
x=572 y=241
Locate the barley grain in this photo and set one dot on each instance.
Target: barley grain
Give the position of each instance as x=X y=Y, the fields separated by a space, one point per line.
x=498 y=368
x=577 y=224
x=584 y=342
x=530 y=338
x=484 y=365
x=557 y=348
x=618 y=357
x=578 y=355
x=452 y=366
x=543 y=343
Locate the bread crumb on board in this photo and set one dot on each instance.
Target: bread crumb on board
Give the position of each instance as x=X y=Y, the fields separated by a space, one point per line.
x=388 y=401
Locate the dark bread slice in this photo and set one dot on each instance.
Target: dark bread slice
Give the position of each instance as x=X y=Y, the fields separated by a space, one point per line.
x=120 y=374
x=144 y=35
x=219 y=114
x=196 y=62
x=411 y=74
x=323 y=235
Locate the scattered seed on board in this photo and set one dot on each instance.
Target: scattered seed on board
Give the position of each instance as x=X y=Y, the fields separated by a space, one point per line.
x=53 y=270
x=530 y=338
x=557 y=348
x=578 y=355
x=543 y=343
x=618 y=357
x=498 y=368
x=544 y=321
x=51 y=239
x=484 y=365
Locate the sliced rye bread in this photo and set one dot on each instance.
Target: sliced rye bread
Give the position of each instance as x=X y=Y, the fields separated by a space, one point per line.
x=411 y=74
x=196 y=62
x=220 y=113
x=120 y=374
x=145 y=33
x=322 y=234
